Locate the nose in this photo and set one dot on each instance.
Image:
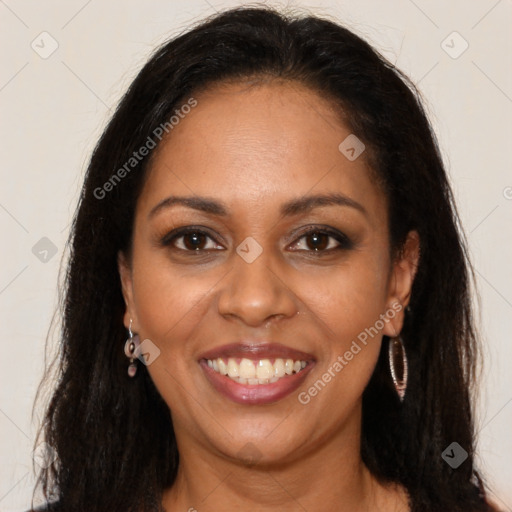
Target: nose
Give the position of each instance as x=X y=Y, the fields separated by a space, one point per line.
x=254 y=293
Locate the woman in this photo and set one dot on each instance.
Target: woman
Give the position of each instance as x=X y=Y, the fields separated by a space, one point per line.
x=267 y=302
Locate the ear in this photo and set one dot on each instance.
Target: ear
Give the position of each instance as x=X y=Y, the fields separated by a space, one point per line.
x=125 y=273
x=401 y=281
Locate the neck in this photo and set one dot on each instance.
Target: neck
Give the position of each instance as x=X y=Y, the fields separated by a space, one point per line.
x=332 y=470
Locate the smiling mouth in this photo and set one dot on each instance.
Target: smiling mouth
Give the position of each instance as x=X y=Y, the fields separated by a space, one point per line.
x=256 y=372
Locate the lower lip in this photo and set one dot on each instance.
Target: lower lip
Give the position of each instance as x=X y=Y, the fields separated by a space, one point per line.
x=255 y=394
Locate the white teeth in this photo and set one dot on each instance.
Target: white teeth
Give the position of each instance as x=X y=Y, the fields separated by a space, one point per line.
x=256 y=372
x=264 y=369
x=279 y=368
x=233 y=368
x=247 y=369
x=223 y=367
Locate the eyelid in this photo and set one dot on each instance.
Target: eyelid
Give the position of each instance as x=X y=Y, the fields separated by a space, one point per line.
x=175 y=234
x=344 y=242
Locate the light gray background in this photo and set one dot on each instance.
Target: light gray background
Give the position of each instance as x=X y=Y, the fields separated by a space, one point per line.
x=53 y=109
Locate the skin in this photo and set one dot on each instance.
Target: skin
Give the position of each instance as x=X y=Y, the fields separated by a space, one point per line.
x=254 y=148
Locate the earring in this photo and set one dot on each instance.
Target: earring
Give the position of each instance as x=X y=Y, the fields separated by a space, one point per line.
x=398 y=365
x=130 y=347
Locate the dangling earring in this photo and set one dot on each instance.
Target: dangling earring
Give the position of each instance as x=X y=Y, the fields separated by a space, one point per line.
x=398 y=365
x=130 y=348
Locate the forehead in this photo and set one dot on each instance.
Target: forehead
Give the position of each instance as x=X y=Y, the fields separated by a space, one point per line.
x=258 y=144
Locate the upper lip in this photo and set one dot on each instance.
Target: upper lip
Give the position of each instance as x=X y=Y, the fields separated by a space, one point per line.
x=256 y=350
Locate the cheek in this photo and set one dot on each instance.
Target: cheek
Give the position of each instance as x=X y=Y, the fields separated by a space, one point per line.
x=348 y=299
x=349 y=306
x=349 y=303
x=170 y=307
x=166 y=299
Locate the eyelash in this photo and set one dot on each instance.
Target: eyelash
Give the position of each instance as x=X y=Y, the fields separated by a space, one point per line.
x=344 y=242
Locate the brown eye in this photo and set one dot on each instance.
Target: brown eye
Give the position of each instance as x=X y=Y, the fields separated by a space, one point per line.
x=190 y=240
x=194 y=241
x=317 y=241
x=322 y=241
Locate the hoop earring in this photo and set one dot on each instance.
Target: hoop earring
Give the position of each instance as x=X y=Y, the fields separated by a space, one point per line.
x=398 y=365
x=130 y=347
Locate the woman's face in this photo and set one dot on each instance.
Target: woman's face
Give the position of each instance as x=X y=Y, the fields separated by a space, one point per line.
x=283 y=279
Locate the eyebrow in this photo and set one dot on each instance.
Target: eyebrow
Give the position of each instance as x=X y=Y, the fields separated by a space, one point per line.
x=293 y=207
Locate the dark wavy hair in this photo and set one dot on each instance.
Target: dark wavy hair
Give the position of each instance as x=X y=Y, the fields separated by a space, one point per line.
x=113 y=435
